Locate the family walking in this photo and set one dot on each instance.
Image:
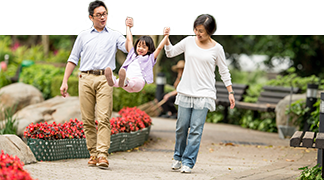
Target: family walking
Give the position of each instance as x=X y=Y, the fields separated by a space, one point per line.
x=96 y=48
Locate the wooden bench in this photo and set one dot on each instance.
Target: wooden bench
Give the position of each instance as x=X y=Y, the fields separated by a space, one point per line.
x=222 y=95
x=268 y=99
x=306 y=139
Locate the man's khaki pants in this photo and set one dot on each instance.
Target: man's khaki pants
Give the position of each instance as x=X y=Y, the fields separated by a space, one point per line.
x=96 y=95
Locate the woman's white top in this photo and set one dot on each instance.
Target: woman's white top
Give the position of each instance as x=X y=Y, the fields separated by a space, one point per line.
x=197 y=86
x=134 y=69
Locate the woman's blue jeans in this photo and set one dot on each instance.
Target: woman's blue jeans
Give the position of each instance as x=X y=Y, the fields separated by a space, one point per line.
x=194 y=119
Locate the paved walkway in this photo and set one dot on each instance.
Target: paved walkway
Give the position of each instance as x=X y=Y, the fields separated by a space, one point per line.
x=226 y=152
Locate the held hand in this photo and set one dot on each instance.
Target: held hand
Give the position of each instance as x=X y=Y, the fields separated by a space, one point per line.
x=63 y=89
x=166 y=31
x=129 y=22
x=232 y=100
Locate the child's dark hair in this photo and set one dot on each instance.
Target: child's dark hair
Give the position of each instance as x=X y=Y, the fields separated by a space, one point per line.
x=149 y=43
x=208 y=22
x=93 y=5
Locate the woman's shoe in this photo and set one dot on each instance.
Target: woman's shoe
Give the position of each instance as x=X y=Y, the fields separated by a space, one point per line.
x=185 y=169
x=176 y=165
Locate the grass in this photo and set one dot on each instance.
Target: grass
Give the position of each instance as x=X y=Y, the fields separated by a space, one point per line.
x=9 y=126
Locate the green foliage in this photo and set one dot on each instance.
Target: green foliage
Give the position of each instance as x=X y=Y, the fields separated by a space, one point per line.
x=73 y=85
x=122 y=98
x=4 y=79
x=314 y=118
x=265 y=122
x=298 y=111
x=215 y=116
x=10 y=126
x=41 y=77
x=62 y=42
x=292 y=79
x=314 y=173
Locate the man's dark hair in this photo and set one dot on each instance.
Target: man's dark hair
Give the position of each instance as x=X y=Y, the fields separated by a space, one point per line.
x=149 y=43
x=93 y=5
x=208 y=22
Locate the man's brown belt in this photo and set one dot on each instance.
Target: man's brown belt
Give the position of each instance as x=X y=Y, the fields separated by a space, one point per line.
x=95 y=72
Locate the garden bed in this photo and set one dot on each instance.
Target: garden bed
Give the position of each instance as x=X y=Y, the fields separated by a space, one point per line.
x=51 y=150
x=50 y=142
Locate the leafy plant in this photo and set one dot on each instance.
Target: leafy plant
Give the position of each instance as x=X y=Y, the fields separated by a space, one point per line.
x=4 y=79
x=41 y=77
x=10 y=125
x=314 y=173
x=298 y=111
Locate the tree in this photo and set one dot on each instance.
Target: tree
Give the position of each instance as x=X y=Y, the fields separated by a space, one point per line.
x=46 y=44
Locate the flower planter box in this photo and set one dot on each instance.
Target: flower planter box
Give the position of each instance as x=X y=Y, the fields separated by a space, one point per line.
x=51 y=150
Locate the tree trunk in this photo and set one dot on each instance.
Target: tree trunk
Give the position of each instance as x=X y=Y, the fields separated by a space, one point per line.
x=45 y=42
x=157 y=68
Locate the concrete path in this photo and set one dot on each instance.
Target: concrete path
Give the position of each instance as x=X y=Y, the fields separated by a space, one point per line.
x=226 y=152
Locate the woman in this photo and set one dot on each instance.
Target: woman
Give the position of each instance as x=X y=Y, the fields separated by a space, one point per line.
x=196 y=90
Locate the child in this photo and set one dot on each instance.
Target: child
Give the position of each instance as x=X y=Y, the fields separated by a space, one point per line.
x=138 y=66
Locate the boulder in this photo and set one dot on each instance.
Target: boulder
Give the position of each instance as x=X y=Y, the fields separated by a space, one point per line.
x=281 y=117
x=14 y=146
x=19 y=94
x=56 y=109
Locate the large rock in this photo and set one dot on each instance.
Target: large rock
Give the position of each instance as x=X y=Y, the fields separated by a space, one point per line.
x=14 y=146
x=281 y=117
x=19 y=94
x=56 y=109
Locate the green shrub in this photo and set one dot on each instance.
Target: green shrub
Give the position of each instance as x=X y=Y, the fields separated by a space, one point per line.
x=292 y=79
x=4 y=79
x=314 y=173
x=121 y=98
x=41 y=77
x=73 y=85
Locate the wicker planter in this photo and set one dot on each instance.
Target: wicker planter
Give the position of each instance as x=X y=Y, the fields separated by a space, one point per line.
x=51 y=150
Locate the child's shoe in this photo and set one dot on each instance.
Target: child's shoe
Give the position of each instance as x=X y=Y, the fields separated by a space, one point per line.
x=109 y=76
x=122 y=77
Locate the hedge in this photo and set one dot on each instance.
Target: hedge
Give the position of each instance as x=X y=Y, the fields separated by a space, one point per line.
x=121 y=98
x=73 y=84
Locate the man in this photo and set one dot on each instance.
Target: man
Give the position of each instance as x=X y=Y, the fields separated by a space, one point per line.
x=97 y=48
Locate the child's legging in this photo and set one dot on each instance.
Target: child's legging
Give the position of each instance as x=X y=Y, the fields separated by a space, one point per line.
x=135 y=84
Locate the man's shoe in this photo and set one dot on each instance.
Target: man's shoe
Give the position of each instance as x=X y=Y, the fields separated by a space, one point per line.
x=185 y=169
x=176 y=165
x=103 y=163
x=92 y=161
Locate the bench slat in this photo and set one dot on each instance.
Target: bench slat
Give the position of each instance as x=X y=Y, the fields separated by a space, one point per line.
x=262 y=100
x=319 y=142
x=308 y=139
x=280 y=89
x=296 y=139
x=255 y=107
x=278 y=95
